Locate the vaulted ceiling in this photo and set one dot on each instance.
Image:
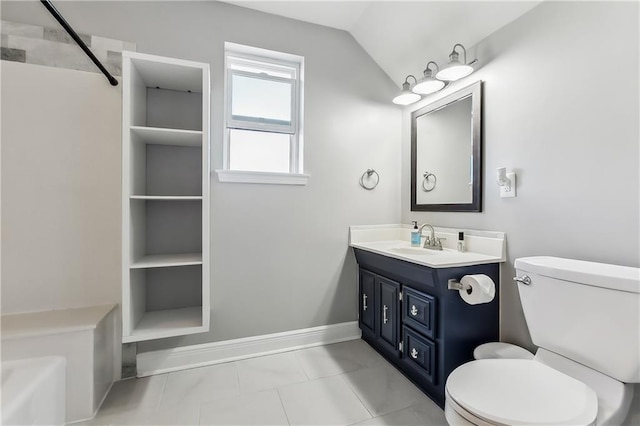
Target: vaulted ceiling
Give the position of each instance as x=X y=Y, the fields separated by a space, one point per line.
x=402 y=36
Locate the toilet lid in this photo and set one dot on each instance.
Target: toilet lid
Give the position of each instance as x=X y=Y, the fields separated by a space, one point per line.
x=519 y=391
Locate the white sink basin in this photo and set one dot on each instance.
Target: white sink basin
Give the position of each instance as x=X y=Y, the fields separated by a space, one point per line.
x=413 y=251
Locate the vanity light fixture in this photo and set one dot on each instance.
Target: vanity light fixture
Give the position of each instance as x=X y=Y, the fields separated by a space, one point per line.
x=406 y=96
x=506 y=182
x=427 y=84
x=455 y=69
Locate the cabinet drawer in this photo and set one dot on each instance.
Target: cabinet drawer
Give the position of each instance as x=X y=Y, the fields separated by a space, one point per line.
x=419 y=311
x=420 y=353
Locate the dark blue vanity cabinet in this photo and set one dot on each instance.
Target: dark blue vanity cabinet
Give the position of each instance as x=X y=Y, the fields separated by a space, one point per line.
x=379 y=310
x=408 y=315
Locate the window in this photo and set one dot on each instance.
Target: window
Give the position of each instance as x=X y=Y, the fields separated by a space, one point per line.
x=263 y=116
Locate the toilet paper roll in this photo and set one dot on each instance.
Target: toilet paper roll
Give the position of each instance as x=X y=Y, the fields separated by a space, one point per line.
x=483 y=289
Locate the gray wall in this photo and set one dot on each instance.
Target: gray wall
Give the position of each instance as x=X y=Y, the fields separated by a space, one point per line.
x=561 y=108
x=60 y=189
x=279 y=255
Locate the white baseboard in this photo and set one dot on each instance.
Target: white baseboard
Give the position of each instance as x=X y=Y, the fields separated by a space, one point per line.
x=181 y=358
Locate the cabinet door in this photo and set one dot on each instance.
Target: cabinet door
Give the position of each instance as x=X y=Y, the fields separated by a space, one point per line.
x=388 y=313
x=367 y=301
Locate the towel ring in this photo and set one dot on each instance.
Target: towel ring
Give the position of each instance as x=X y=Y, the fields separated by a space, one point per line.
x=368 y=174
x=427 y=184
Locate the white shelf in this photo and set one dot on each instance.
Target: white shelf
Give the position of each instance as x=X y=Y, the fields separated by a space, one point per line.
x=165 y=136
x=166 y=197
x=167 y=260
x=167 y=323
x=167 y=73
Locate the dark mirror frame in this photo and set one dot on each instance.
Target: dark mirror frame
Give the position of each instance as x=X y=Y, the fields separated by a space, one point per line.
x=475 y=91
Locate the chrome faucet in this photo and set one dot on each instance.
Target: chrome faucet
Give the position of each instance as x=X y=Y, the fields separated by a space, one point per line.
x=431 y=242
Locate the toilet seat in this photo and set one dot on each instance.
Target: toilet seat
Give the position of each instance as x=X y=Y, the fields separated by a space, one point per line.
x=501 y=350
x=519 y=391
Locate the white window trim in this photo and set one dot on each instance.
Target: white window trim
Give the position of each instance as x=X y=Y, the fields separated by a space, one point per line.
x=296 y=176
x=273 y=178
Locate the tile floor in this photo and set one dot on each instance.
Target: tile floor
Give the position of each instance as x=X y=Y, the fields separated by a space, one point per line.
x=342 y=384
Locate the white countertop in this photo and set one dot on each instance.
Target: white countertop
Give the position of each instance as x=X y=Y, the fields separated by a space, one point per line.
x=394 y=241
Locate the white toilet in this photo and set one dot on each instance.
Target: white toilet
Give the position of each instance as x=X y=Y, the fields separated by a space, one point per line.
x=585 y=319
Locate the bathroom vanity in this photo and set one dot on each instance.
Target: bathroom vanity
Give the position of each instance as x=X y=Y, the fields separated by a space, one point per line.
x=407 y=311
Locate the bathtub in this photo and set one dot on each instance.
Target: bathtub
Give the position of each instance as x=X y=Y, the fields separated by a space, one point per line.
x=33 y=391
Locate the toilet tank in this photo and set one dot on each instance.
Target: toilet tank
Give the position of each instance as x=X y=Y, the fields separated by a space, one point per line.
x=588 y=312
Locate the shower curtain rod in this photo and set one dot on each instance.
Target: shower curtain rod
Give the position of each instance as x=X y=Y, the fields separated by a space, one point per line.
x=51 y=8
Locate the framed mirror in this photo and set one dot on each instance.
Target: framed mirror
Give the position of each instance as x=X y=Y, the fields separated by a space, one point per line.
x=446 y=153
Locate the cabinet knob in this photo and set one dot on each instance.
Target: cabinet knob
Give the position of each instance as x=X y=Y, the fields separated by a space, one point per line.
x=414 y=353
x=364 y=302
x=385 y=319
x=414 y=310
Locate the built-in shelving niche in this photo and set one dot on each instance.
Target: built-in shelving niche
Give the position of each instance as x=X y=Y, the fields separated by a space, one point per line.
x=165 y=228
x=165 y=197
x=166 y=301
x=165 y=163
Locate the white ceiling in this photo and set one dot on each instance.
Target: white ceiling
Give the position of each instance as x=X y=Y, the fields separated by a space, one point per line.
x=402 y=36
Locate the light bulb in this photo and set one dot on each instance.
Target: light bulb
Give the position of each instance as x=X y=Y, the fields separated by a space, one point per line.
x=454 y=72
x=428 y=86
x=406 y=98
x=455 y=69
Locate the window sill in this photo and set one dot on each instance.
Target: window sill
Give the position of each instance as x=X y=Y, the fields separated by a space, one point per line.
x=272 y=178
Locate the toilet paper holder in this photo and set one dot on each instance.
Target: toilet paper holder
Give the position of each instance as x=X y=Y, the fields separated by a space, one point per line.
x=457 y=285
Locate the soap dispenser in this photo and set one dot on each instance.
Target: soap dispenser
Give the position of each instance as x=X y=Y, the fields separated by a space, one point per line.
x=461 y=245
x=415 y=235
